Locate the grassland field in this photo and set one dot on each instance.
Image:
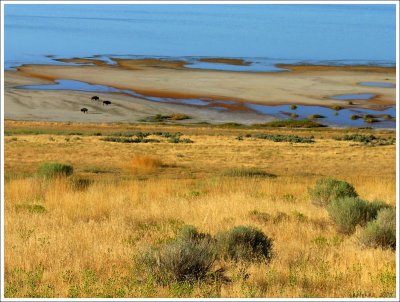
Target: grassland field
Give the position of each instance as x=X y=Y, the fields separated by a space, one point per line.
x=79 y=236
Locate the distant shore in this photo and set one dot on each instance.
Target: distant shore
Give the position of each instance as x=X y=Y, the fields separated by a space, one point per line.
x=302 y=85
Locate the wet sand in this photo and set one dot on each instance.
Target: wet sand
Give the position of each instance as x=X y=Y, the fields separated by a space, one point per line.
x=65 y=106
x=304 y=85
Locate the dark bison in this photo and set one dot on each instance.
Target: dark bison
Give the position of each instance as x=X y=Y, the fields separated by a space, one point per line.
x=106 y=103
x=95 y=98
x=84 y=110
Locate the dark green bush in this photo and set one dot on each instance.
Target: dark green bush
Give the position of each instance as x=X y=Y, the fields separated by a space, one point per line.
x=381 y=232
x=370 y=140
x=328 y=189
x=244 y=243
x=285 y=138
x=337 y=107
x=293 y=107
x=354 y=117
x=349 y=212
x=54 y=169
x=315 y=116
x=188 y=258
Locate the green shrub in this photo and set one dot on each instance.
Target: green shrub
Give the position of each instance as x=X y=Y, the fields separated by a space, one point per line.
x=31 y=208
x=285 y=138
x=370 y=140
x=190 y=233
x=244 y=243
x=54 y=169
x=381 y=232
x=188 y=258
x=260 y=217
x=291 y=123
x=387 y=117
x=315 y=116
x=349 y=212
x=370 y=120
x=247 y=172
x=293 y=107
x=328 y=189
x=294 y=115
x=354 y=117
x=337 y=107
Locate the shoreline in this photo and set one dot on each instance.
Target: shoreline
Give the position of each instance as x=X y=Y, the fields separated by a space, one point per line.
x=229 y=93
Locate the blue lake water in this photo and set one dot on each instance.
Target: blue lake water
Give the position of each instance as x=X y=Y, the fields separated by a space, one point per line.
x=377 y=84
x=301 y=33
x=350 y=97
x=339 y=118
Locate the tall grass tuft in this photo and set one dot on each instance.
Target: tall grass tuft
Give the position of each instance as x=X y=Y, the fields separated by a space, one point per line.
x=54 y=169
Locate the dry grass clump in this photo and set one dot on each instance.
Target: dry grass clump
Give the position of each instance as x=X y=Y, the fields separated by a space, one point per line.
x=145 y=164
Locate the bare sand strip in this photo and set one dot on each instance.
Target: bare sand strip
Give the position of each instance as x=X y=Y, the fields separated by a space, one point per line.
x=308 y=85
x=65 y=106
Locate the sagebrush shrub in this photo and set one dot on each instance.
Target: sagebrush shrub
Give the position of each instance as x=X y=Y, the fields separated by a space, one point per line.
x=188 y=258
x=349 y=212
x=381 y=232
x=244 y=243
x=328 y=189
x=54 y=169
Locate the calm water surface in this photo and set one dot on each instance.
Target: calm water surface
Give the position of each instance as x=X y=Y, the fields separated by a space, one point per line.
x=278 y=32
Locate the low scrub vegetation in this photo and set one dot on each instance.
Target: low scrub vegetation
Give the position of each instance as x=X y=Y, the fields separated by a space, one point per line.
x=142 y=137
x=159 y=118
x=315 y=116
x=348 y=212
x=329 y=189
x=184 y=259
x=381 y=232
x=285 y=138
x=54 y=169
x=31 y=208
x=244 y=243
x=247 y=172
x=369 y=140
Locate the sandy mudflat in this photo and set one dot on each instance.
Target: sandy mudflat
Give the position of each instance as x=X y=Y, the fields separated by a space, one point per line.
x=308 y=85
x=65 y=105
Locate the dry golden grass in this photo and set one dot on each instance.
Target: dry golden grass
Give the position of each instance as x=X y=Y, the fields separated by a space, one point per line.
x=144 y=164
x=85 y=243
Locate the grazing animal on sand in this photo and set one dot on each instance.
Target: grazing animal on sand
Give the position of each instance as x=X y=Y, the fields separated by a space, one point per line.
x=106 y=103
x=95 y=98
x=84 y=110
